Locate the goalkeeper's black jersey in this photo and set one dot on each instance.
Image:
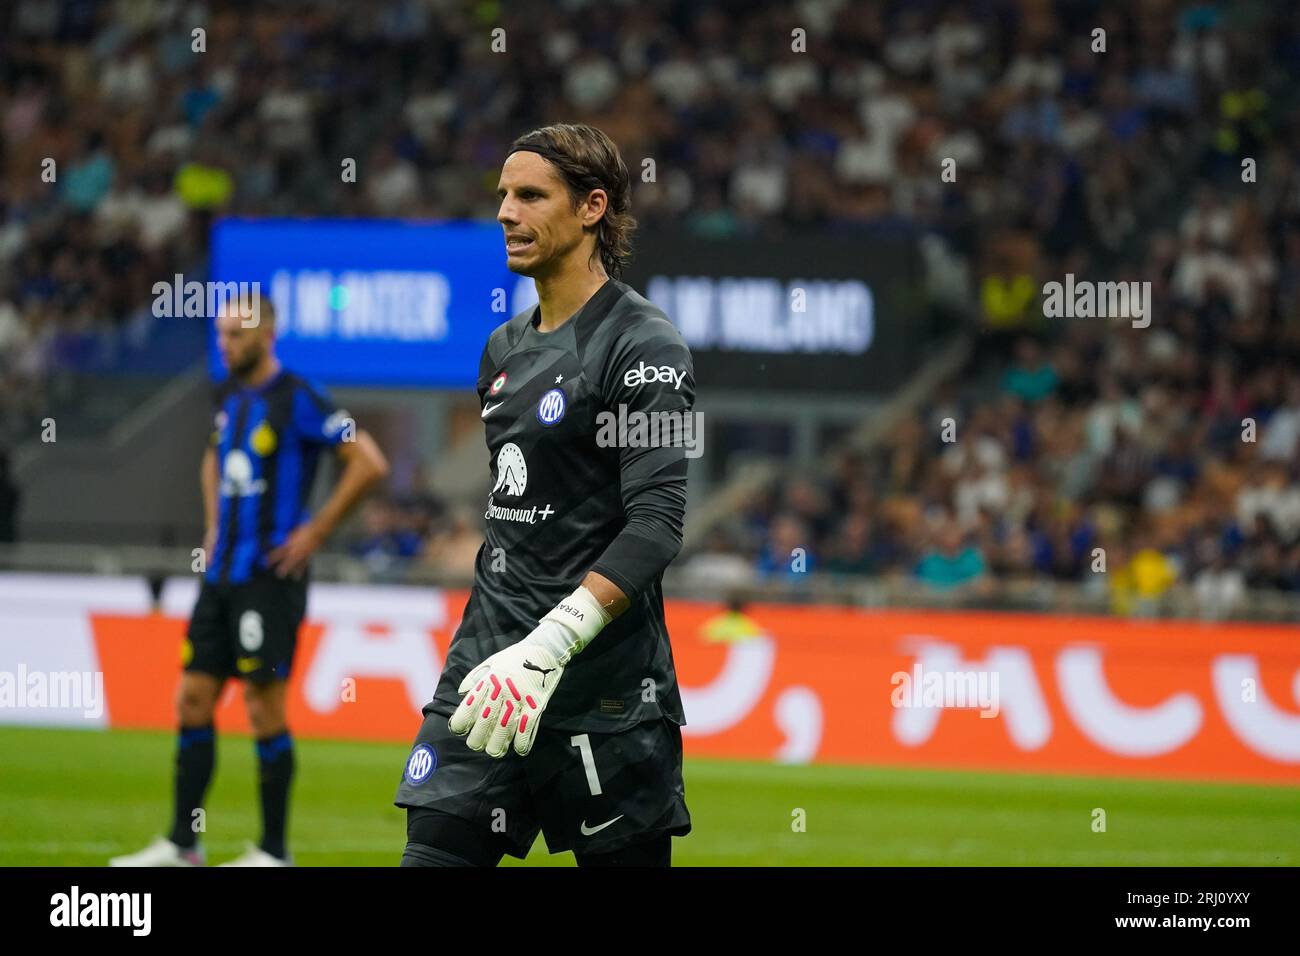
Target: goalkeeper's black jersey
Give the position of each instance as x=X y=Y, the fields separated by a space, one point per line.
x=589 y=429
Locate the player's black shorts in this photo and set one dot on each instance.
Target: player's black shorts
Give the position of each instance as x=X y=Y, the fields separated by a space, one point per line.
x=589 y=792
x=247 y=630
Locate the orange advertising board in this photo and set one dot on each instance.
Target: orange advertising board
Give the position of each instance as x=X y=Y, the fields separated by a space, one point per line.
x=992 y=691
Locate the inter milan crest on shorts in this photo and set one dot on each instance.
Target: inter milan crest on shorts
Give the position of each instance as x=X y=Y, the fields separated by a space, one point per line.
x=423 y=761
x=551 y=408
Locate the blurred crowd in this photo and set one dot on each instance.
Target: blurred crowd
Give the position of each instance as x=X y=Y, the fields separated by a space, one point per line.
x=1097 y=139
x=1161 y=451
x=1133 y=463
x=418 y=531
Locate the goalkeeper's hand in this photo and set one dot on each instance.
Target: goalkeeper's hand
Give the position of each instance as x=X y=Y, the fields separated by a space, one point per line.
x=505 y=696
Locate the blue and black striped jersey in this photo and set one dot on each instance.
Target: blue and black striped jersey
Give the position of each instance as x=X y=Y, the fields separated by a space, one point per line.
x=268 y=441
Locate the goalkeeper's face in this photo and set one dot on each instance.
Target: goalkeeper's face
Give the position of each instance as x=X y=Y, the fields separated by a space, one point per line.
x=542 y=228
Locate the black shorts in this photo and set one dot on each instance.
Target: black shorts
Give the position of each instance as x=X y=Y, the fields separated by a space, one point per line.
x=589 y=792
x=247 y=630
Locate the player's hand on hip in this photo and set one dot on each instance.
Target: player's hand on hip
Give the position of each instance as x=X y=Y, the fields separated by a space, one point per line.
x=291 y=558
x=504 y=698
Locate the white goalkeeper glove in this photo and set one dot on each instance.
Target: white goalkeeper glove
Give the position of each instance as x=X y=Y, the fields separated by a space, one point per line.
x=504 y=697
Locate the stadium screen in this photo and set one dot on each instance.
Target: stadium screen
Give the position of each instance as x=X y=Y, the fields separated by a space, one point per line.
x=374 y=302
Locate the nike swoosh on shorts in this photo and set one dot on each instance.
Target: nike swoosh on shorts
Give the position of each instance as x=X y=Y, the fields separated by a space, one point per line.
x=588 y=831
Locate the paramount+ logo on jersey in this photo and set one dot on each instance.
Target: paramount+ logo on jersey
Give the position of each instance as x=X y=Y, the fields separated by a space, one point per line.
x=512 y=481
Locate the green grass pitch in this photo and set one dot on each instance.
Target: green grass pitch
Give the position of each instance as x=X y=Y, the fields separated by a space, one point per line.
x=72 y=797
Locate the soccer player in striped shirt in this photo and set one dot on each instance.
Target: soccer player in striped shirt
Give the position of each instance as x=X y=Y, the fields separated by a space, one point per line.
x=269 y=429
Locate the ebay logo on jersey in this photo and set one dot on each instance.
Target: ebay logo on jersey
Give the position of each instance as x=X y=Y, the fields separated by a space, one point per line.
x=649 y=374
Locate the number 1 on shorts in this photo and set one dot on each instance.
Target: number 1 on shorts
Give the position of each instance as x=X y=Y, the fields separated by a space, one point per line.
x=583 y=743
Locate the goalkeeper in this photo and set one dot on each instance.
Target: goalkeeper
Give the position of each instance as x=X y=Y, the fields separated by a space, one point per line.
x=558 y=708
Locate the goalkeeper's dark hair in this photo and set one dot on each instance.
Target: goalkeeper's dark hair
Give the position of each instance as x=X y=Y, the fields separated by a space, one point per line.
x=587 y=159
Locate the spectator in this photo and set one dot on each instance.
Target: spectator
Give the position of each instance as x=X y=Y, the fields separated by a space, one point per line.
x=854 y=551
x=1141 y=581
x=1219 y=588
x=1032 y=378
x=788 y=552
x=951 y=564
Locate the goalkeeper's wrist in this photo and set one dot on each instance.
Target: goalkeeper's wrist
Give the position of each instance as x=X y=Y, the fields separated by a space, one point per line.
x=580 y=618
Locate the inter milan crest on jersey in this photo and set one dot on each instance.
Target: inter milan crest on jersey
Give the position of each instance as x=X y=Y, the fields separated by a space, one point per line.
x=422 y=762
x=551 y=408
